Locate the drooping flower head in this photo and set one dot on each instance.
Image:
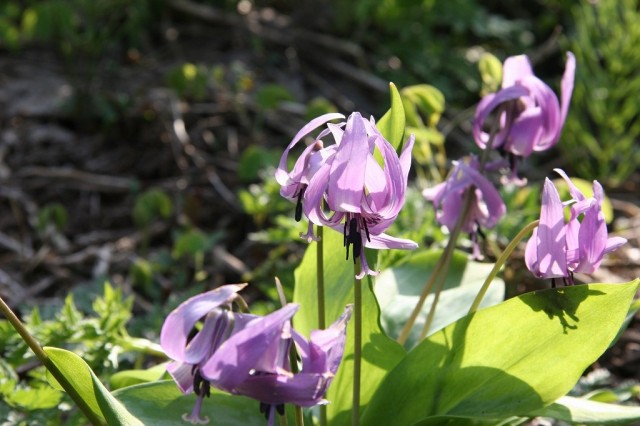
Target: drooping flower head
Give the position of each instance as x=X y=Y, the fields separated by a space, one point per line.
x=247 y=354
x=531 y=117
x=346 y=189
x=557 y=249
x=487 y=207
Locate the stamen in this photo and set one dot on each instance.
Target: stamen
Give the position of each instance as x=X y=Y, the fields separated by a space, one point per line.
x=366 y=229
x=298 y=215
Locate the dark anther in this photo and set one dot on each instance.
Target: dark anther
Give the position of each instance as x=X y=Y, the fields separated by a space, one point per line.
x=480 y=232
x=366 y=229
x=299 y=204
x=553 y=283
x=266 y=409
x=353 y=237
x=200 y=386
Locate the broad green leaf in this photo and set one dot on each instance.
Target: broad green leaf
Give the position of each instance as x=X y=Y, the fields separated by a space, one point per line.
x=380 y=354
x=126 y=378
x=584 y=411
x=87 y=385
x=392 y=123
x=470 y=421
x=162 y=403
x=506 y=360
x=398 y=290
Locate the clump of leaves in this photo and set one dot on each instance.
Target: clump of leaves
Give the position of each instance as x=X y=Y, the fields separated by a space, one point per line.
x=100 y=339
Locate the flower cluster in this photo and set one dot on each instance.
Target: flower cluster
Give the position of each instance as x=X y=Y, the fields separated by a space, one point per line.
x=558 y=249
x=247 y=354
x=529 y=118
x=343 y=186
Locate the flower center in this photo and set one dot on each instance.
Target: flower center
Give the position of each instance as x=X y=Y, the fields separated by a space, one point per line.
x=353 y=226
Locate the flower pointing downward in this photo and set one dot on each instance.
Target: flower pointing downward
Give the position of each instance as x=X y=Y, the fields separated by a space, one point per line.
x=531 y=117
x=247 y=354
x=343 y=186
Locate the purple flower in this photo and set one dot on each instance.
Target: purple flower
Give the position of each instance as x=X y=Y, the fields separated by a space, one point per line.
x=531 y=118
x=295 y=182
x=487 y=207
x=247 y=354
x=557 y=249
x=343 y=186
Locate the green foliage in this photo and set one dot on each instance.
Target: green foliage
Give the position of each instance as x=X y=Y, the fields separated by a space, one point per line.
x=317 y=107
x=162 y=403
x=428 y=40
x=53 y=215
x=86 y=384
x=100 y=339
x=380 y=353
x=151 y=205
x=270 y=96
x=398 y=288
x=423 y=106
x=490 y=69
x=601 y=135
x=465 y=369
x=392 y=124
x=190 y=81
x=253 y=161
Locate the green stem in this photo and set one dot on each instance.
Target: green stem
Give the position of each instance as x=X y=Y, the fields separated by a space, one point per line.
x=321 y=308
x=501 y=261
x=441 y=268
x=49 y=365
x=357 y=344
x=436 y=297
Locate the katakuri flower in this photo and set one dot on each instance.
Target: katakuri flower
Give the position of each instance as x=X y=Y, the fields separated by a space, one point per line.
x=248 y=355
x=343 y=186
x=557 y=249
x=531 y=117
x=487 y=207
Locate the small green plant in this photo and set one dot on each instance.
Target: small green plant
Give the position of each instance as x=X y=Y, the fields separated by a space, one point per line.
x=603 y=127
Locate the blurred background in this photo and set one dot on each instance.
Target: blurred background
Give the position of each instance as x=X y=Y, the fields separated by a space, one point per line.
x=138 y=139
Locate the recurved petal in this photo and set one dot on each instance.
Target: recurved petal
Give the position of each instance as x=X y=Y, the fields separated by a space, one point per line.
x=484 y=109
x=282 y=176
x=566 y=88
x=326 y=347
x=181 y=374
x=235 y=359
x=180 y=322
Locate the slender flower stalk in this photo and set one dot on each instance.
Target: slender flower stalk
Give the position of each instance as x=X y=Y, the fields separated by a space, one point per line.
x=500 y=262
x=49 y=364
x=321 y=305
x=357 y=345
